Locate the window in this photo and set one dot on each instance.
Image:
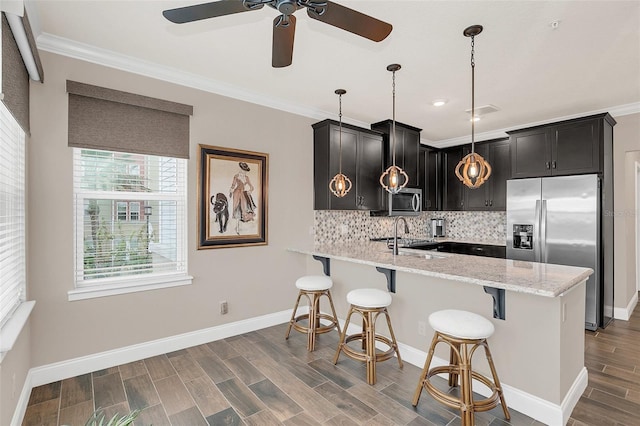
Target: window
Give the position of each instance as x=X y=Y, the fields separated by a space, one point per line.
x=117 y=251
x=134 y=211
x=121 y=209
x=12 y=215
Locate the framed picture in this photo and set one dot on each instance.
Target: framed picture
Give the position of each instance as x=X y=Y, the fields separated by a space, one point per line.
x=232 y=197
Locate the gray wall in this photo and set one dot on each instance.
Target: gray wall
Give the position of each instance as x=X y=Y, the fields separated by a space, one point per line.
x=253 y=280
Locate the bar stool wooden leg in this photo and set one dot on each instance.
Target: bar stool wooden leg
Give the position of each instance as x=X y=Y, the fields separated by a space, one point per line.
x=342 y=337
x=425 y=370
x=454 y=360
x=393 y=337
x=466 y=409
x=370 y=336
x=293 y=315
x=505 y=409
x=333 y=311
x=313 y=322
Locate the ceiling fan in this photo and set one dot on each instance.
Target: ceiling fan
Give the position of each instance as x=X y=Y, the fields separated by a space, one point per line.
x=284 y=25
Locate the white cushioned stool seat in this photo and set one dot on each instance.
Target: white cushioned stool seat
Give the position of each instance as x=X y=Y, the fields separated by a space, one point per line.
x=369 y=298
x=461 y=324
x=314 y=282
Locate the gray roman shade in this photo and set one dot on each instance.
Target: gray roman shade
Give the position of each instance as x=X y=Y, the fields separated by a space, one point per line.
x=111 y=120
x=15 y=79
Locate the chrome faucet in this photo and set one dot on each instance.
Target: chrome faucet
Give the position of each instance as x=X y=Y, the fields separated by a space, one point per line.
x=395 y=232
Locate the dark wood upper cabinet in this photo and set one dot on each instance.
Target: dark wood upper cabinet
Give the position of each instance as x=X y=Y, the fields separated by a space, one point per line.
x=492 y=195
x=362 y=163
x=452 y=188
x=564 y=148
x=430 y=177
x=407 y=148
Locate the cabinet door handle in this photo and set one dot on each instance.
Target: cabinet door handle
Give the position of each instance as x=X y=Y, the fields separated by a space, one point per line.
x=547 y=164
x=554 y=165
x=491 y=202
x=486 y=203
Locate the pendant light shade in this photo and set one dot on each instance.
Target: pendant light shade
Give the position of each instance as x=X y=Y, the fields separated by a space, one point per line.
x=394 y=178
x=340 y=185
x=473 y=170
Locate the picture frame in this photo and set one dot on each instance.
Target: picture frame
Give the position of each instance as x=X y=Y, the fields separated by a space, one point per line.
x=232 y=197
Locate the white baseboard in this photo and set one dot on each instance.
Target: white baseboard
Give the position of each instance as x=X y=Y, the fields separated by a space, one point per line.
x=625 y=313
x=531 y=405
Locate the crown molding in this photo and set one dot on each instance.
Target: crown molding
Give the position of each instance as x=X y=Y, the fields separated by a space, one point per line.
x=88 y=53
x=615 y=111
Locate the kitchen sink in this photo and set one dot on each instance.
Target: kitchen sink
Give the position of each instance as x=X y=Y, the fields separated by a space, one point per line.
x=421 y=254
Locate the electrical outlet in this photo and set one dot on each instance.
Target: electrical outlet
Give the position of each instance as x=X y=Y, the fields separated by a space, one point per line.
x=422 y=328
x=344 y=228
x=224 y=307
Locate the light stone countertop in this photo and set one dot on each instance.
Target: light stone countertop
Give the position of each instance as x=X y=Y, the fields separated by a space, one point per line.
x=541 y=279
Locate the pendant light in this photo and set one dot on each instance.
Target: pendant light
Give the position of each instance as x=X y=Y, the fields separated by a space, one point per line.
x=473 y=170
x=394 y=178
x=340 y=184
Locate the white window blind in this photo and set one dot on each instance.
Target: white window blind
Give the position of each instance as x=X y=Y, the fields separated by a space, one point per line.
x=12 y=215
x=130 y=220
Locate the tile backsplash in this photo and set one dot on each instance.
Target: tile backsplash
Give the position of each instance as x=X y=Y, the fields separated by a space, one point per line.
x=334 y=226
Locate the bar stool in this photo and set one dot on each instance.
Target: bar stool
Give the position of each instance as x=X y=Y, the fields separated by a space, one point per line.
x=313 y=287
x=464 y=332
x=369 y=303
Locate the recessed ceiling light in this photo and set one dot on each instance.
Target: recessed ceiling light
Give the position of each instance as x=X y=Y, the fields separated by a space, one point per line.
x=439 y=102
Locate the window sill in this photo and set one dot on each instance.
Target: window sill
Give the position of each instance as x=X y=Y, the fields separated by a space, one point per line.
x=122 y=287
x=11 y=330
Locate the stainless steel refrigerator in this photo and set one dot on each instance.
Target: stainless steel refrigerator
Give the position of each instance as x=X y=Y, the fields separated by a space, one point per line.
x=559 y=220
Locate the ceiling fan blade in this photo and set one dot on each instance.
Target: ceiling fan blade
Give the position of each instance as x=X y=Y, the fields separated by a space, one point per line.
x=197 y=12
x=284 y=30
x=352 y=21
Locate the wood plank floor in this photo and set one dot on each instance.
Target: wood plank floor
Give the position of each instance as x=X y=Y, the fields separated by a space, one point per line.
x=258 y=378
x=612 y=357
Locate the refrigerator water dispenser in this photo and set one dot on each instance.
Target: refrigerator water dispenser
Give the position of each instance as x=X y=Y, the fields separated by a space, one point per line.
x=523 y=237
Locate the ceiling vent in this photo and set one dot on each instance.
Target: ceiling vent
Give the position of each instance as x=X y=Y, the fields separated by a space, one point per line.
x=484 y=110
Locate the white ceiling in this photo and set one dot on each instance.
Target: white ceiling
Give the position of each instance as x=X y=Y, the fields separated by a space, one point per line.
x=532 y=72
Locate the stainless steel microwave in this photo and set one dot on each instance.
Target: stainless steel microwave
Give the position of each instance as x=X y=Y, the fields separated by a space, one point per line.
x=407 y=202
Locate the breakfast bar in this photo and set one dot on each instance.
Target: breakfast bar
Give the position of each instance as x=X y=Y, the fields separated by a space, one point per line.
x=538 y=345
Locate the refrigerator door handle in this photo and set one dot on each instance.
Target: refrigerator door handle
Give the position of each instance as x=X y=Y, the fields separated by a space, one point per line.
x=537 y=247
x=543 y=233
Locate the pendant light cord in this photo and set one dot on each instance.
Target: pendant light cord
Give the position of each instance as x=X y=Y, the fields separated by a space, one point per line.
x=473 y=91
x=393 y=113
x=340 y=134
